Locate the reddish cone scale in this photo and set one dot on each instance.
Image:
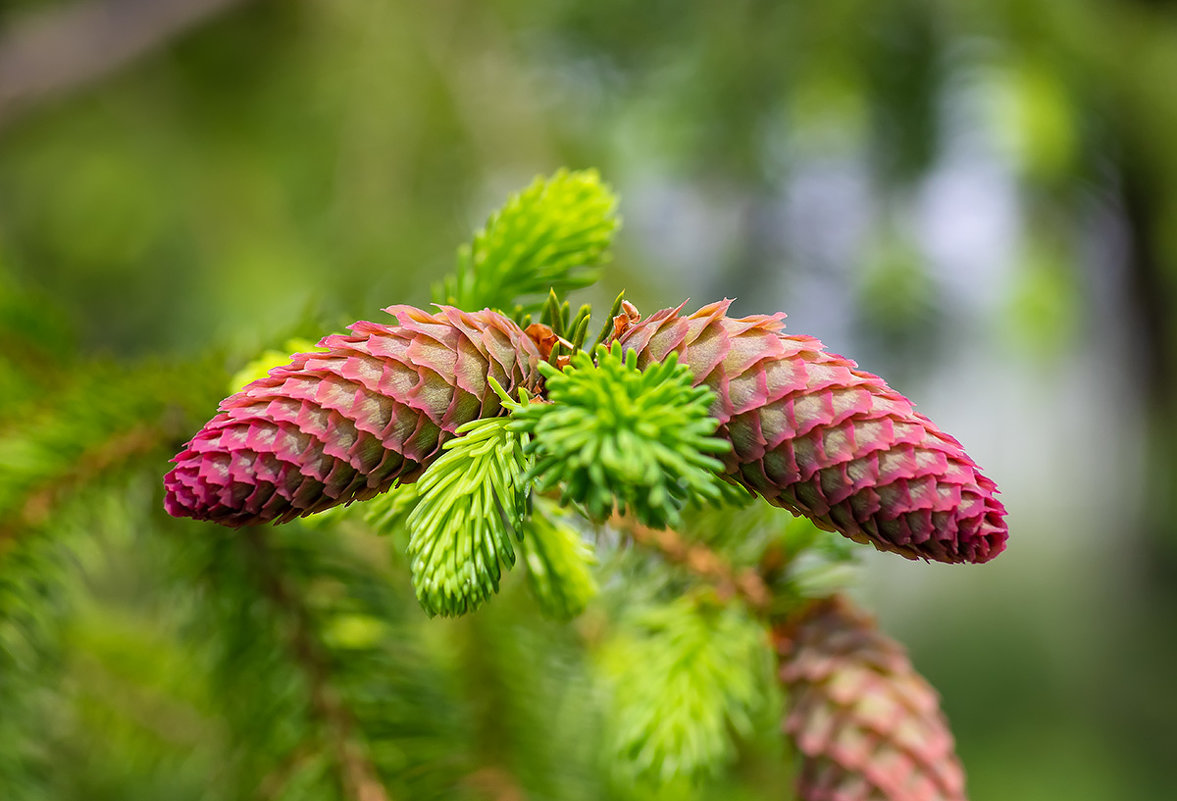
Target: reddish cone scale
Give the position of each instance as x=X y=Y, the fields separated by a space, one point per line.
x=340 y=426
x=866 y=726
x=814 y=434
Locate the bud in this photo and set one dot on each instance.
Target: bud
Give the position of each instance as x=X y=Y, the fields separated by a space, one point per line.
x=866 y=726
x=335 y=427
x=814 y=434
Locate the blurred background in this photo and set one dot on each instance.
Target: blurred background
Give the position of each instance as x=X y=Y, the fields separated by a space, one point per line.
x=977 y=200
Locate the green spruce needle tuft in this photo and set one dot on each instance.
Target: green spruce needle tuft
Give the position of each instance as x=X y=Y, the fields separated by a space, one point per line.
x=551 y=236
x=616 y=437
x=684 y=675
x=559 y=562
x=471 y=504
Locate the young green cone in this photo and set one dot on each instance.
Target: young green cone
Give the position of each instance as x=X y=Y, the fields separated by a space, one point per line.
x=814 y=434
x=867 y=727
x=334 y=427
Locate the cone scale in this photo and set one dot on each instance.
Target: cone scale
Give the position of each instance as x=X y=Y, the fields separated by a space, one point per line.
x=865 y=725
x=814 y=434
x=335 y=427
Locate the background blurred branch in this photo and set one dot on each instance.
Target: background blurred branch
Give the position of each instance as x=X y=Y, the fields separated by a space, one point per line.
x=110 y=454
x=358 y=775
x=51 y=52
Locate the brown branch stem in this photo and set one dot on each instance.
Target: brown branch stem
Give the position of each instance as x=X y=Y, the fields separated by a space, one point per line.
x=702 y=561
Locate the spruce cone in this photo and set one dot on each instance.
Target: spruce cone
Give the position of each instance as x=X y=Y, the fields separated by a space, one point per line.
x=334 y=427
x=813 y=434
x=867 y=727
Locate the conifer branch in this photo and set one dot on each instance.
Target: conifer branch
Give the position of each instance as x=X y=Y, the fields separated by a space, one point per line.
x=358 y=775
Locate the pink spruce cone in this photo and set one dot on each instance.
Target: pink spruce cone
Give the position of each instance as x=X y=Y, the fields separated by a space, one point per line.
x=814 y=434
x=340 y=426
x=866 y=726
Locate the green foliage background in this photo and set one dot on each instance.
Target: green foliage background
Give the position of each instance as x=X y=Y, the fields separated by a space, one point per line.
x=284 y=168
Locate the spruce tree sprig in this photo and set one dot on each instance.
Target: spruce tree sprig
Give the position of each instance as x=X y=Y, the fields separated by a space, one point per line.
x=551 y=236
x=471 y=505
x=614 y=437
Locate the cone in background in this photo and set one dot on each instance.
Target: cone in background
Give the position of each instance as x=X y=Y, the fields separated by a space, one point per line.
x=814 y=434
x=334 y=427
x=867 y=727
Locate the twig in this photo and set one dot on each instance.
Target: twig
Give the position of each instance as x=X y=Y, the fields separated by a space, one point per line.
x=702 y=561
x=494 y=783
x=358 y=774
